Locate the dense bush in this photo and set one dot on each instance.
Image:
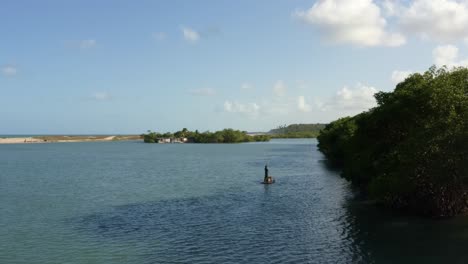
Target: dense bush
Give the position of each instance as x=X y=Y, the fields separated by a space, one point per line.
x=411 y=151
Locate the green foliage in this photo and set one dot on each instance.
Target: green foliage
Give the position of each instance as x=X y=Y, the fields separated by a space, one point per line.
x=334 y=138
x=411 y=151
x=297 y=131
x=261 y=138
x=223 y=136
x=151 y=137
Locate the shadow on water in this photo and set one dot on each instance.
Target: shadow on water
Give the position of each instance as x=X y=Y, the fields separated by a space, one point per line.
x=224 y=228
x=264 y=227
x=382 y=235
x=327 y=165
x=386 y=236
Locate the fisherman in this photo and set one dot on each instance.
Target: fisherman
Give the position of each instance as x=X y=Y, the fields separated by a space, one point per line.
x=266 y=174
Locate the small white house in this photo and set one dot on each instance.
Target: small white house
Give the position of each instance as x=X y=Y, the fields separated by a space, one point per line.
x=164 y=140
x=173 y=140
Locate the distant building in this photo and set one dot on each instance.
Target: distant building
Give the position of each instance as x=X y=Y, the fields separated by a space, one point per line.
x=164 y=140
x=172 y=140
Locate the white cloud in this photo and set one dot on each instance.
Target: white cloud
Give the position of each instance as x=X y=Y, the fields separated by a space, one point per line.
x=159 y=36
x=301 y=108
x=391 y=7
x=371 y=22
x=266 y=107
x=399 y=76
x=440 y=20
x=351 y=100
x=279 y=88
x=203 y=92
x=361 y=97
x=9 y=70
x=101 y=96
x=302 y=105
x=443 y=55
x=87 y=43
x=190 y=34
x=358 y=22
x=247 y=86
x=447 y=55
x=249 y=109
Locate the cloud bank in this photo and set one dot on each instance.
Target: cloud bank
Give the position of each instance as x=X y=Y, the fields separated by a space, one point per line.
x=388 y=22
x=357 y=22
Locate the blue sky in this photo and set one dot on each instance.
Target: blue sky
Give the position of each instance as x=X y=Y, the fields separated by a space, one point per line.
x=128 y=66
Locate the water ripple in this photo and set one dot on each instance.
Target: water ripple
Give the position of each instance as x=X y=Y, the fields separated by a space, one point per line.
x=224 y=228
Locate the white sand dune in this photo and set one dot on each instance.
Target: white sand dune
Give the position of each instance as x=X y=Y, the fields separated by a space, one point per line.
x=61 y=139
x=20 y=140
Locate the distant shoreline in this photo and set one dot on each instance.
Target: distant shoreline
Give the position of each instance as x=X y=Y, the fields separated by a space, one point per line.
x=66 y=139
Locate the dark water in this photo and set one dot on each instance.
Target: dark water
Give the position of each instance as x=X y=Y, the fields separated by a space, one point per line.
x=128 y=202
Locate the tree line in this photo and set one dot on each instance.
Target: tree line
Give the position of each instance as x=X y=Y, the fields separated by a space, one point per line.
x=223 y=136
x=297 y=131
x=411 y=151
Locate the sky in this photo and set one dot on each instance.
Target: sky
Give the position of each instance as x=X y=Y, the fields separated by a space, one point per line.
x=125 y=67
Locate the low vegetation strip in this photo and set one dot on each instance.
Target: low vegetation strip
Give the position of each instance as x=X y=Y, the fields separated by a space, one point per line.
x=411 y=151
x=186 y=136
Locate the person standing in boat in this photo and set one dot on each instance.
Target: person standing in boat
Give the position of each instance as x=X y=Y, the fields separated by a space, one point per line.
x=266 y=174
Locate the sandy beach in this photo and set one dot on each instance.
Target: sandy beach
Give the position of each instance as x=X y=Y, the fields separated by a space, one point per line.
x=64 y=139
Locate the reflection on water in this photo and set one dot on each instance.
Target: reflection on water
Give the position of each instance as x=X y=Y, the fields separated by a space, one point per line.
x=121 y=202
x=390 y=237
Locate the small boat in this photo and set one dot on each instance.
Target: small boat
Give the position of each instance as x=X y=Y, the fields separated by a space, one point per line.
x=269 y=180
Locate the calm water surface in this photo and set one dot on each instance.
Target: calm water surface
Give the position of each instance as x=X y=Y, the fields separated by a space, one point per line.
x=129 y=202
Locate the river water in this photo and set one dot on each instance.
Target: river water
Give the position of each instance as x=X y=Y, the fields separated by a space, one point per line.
x=130 y=202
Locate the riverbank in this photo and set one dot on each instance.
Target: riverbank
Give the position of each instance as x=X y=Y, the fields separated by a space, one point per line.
x=65 y=139
x=410 y=151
